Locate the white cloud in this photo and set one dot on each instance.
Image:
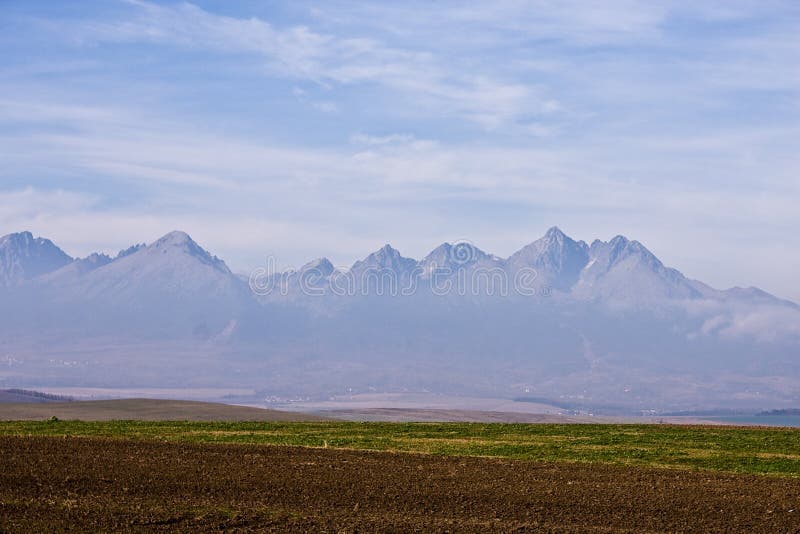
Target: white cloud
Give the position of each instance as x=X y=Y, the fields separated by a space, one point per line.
x=767 y=323
x=303 y=54
x=577 y=22
x=365 y=139
x=326 y=106
x=25 y=206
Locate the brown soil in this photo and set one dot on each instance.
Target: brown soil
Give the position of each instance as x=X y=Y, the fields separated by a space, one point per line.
x=56 y=484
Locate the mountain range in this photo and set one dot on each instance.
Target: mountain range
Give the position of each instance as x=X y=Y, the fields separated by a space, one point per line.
x=605 y=324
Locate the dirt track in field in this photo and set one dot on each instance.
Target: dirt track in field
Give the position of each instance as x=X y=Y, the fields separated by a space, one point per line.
x=54 y=484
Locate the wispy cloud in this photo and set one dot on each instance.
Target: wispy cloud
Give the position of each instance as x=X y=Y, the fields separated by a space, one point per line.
x=300 y=53
x=479 y=25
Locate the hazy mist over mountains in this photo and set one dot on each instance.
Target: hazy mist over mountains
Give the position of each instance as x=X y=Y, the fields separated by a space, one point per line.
x=602 y=325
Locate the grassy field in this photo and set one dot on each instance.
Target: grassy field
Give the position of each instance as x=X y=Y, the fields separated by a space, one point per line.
x=728 y=449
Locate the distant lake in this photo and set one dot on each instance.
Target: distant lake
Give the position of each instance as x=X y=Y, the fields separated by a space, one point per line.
x=766 y=420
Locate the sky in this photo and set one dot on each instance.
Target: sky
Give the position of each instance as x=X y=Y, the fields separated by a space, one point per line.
x=299 y=129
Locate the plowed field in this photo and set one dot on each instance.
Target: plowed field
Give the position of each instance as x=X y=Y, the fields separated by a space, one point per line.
x=97 y=484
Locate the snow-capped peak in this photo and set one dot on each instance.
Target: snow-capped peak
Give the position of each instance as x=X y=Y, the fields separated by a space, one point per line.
x=178 y=242
x=555 y=232
x=453 y=256
x=23 y=257
x=174 y=238
x=557 y=258
x=321 y=265
x=386 y=257
x=130 y=250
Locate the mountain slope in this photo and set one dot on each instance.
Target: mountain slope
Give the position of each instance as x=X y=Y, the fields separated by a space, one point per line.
x=450 y=258
x=624 y=269
x=173 y=265
x=170 y=288
x=384 y=272
x=620 y=329
x=557 y=258
x=23 y=257
x=76 y=269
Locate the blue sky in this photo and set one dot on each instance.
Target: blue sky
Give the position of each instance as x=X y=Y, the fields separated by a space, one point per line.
x=304 y=129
